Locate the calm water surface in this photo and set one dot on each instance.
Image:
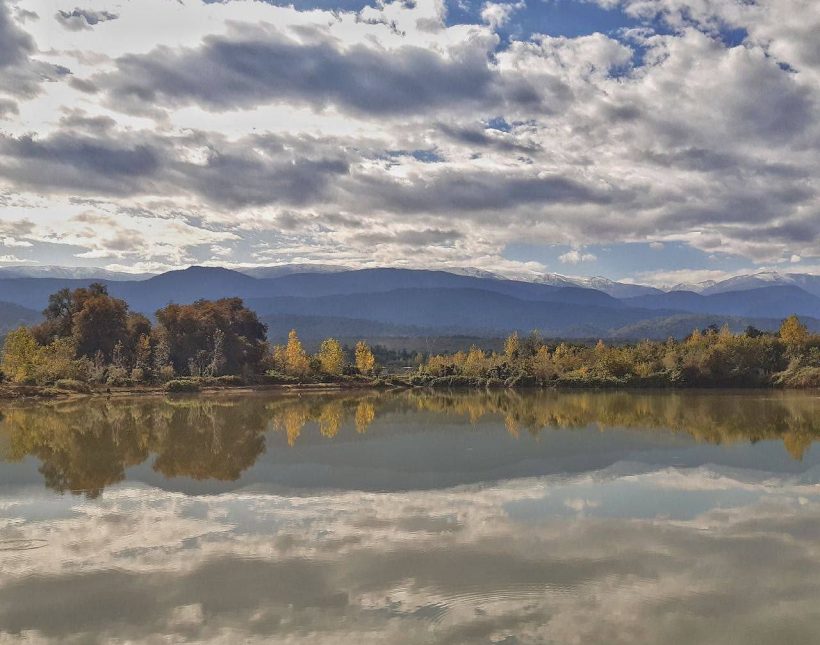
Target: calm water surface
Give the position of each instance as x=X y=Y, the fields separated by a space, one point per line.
x=412 y=518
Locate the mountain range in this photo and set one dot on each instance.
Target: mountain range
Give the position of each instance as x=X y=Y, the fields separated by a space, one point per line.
x=324 y=300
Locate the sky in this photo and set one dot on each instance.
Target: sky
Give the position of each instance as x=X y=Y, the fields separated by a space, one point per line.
x=657 y=141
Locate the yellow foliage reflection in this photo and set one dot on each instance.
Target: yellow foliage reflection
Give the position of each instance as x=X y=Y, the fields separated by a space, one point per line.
x=85 y=447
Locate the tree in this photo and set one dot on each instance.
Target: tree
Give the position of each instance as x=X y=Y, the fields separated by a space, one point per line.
x=532 y=343
x=142 y=353
x=190 y=329
x=512 y=347
x=542 y=366
x=57 y=314
x=217 y=353
x=99 y=322
x=21 y=356
x=475 y=363
x=793 y=333
x=94 y=320
x=365 y=361
x=118 y=355
x=280 y=358
x=162 y=356
x=56 y=361
x=331 y=357
x=296 y=359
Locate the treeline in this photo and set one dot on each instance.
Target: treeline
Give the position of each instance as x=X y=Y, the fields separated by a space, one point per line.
x=89 y=337
x=706 y=358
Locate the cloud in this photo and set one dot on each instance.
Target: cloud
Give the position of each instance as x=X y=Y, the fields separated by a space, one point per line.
x=81 y=19
x=498 y=14
x=416 y=238
x=576 y=257
x=261 y=64
x=20 y=74
x=123 y=164
x=15 y=44
x=8 y=109
x=664 y=132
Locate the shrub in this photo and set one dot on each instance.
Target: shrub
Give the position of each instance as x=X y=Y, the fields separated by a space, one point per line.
x=277 y=378
x=137 y=375
x=117 y=376
x=230 y=379
x=166 y=373
x=182 y=385
x=72 y=385
x=803 y=377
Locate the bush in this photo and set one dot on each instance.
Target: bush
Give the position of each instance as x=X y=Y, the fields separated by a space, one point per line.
x=455 y=381
x=72 y=385
x=137 y=375
x=182 y=385
x=803 y=377
x=166 y=373
x=118 y=376
x=230 y=379
x=278 y=378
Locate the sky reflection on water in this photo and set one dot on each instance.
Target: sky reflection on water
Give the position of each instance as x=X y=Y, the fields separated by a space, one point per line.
x=438 y=521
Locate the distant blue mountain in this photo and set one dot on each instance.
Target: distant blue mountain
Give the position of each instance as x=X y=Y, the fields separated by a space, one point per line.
x=213 y=282
x=459 y=311
x=399 y=301
x=769 y=302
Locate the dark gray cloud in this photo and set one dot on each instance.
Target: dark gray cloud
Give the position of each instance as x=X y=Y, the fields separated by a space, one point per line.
x=453 y=190
x=75 y=162
x=237 y=179
x=479 y=137
x=420 y=238
x=15 y=44
x=8 y=108
x=256 y=66
x=20 y=75
x=89 y=158
x=80 y=19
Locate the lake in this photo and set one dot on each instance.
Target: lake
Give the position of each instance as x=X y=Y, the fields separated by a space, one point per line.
x=412 y=517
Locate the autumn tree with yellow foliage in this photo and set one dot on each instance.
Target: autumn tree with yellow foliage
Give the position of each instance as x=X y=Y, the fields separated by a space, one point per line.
x=331 y=357
x=297 y=362
x=365 y=361
x=713 y=357
x=794 y=333
x=512 y=347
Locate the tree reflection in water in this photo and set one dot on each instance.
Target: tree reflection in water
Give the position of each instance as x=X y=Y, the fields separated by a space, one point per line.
x=85 y=446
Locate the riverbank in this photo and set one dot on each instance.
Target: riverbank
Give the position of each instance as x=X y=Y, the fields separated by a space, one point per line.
x=791 y=380
x=12 y=391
